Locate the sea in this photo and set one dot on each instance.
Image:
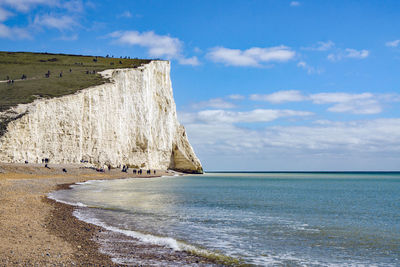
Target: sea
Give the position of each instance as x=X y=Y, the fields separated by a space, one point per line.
x=262 y=219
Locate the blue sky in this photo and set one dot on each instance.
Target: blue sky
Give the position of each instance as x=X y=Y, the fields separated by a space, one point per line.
x=259 y=85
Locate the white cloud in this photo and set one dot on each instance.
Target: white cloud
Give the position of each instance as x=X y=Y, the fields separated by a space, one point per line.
x=227 y=139
x=295 y=3
x=231 y=117
x=26 y=5
x=302 y=64
x=365 y=103
x=233 y=57
x=321 y=46
x=56 y=21
x=308 y=147
x=157 y=45
x=394 y=43
x=90 y=4
x=214 y=103
x=308 y=68
x=352 y=53
x=364 y=135
x=73 y=6
x=72 y=37
x=125 y=14
x=189 y=61
x=13 y=32
x=253 y=57
x=388 y=97
x=5 y=14
x=324 y=98
x=280 y=97
x=197 y=50
x=349 y=53
x=357 y=107
x=63 y=22
x=332 y=57
x=236 y=97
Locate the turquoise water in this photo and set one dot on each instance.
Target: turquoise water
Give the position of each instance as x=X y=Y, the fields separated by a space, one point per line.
x=296 y=219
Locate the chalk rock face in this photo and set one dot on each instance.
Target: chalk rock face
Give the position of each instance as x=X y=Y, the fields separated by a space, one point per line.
x=130 y=121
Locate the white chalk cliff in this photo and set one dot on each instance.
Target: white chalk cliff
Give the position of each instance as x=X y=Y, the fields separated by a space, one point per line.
x=130 y=121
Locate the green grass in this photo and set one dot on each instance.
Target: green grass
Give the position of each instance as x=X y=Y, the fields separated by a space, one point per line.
x=36 y=65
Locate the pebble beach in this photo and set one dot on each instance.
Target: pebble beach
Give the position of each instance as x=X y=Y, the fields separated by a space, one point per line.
x=35 y=230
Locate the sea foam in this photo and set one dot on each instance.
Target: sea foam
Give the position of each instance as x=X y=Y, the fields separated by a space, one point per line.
x=166 y=242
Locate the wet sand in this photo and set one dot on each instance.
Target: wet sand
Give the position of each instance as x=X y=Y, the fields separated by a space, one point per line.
x=38 y=231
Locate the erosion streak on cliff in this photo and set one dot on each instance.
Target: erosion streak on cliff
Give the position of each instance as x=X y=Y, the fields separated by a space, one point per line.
x=130 y=121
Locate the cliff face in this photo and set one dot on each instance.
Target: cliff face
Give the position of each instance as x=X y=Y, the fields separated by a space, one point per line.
x=130 y=121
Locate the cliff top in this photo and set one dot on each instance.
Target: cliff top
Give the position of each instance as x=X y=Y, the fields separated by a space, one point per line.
x=44 y=75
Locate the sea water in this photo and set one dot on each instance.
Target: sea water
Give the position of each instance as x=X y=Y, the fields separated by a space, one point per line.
x=291 y=219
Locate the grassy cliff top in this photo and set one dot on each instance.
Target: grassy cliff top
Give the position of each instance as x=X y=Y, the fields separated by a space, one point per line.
x=78 y=72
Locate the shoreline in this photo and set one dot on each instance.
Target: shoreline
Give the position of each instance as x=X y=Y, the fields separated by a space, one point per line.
x=36 y=230
x=79 y=234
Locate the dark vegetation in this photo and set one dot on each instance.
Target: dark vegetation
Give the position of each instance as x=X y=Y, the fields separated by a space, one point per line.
x=4 y=122
x=27 y=76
